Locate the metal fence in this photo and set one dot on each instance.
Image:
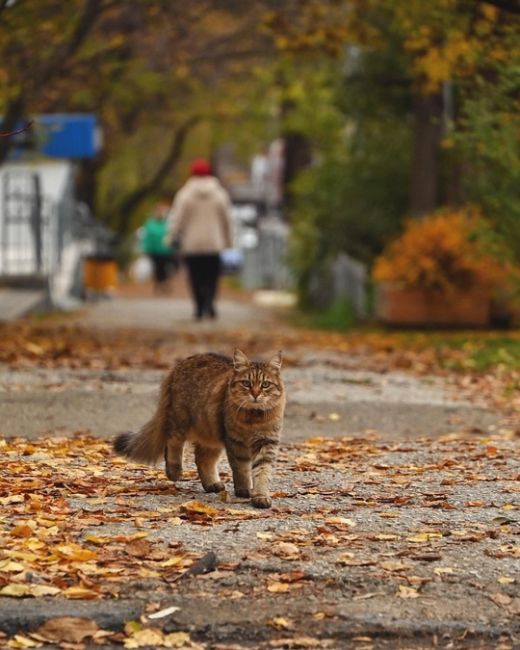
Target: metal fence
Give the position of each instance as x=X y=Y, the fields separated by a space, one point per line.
x=265 y=266
x=29 y=227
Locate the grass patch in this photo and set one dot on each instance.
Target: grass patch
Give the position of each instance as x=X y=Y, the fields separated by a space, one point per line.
x=338 y=317
x=480 y=351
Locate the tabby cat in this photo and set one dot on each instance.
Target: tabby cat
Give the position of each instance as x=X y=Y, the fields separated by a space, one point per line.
x=217 y=403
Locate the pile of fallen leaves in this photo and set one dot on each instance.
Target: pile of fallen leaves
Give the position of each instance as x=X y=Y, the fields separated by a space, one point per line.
x=64 y=502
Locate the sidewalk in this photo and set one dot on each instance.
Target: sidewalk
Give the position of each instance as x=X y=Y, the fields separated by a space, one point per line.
x=395 y=519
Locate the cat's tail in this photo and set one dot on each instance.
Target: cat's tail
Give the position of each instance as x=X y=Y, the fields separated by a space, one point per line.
x=148 y=444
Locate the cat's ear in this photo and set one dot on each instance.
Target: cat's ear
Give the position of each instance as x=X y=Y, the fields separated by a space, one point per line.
x=276 y=362
x=240 y=360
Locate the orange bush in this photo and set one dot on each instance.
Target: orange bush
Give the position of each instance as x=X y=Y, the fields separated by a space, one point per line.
x=442 y=252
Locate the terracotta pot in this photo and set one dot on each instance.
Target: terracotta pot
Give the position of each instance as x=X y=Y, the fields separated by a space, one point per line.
x=397 y=305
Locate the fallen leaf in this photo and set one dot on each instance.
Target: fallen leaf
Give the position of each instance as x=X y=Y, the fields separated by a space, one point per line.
x=444 y=570
x=424 y=537
x=199 y=508
x=21 y=641
x=80 y=593
x=146 y=637
x=138 y=548
x=281 y=623
x=394 y=565
x=67 y=628
x=407 y=592
x=286 y=550
x=19 y=590
x=500 y=599
x=277 y=587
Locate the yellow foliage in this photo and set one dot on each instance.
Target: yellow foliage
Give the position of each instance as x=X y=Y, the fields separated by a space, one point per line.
x=441 y=252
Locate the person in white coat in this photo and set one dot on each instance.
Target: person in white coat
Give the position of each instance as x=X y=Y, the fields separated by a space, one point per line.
x=200 y=223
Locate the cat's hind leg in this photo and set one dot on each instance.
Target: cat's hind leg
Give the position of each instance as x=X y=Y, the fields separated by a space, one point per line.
x=206 y=459
x=174 y=455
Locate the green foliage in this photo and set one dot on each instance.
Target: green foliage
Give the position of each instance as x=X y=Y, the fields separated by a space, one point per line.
x=340 y=316
x=353 y=199
x=488 y=139
x=480 y=353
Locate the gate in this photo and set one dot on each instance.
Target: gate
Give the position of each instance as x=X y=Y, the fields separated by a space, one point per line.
x=28 y=228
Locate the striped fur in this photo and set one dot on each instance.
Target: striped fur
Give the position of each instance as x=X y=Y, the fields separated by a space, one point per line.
x=218 y=404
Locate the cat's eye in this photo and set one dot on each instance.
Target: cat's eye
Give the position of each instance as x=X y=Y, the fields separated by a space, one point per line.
x=246 y=384
x=266 y=384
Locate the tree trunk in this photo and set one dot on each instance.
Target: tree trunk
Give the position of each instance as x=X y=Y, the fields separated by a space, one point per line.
x=135 y=198
x=297 y=156
x=14 y=113
x=424 y=190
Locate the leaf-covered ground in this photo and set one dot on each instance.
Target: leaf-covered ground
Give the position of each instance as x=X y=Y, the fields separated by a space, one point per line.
x=483 y=364
x=372 y=542
x=397 y=540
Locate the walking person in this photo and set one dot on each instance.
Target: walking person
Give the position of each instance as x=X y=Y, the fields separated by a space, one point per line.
x=200 y=221
x=153 y=244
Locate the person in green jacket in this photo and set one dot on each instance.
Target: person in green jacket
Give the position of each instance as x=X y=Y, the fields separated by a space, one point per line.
x=152 y=244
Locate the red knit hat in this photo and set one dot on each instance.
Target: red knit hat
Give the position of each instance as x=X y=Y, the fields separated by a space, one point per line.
x=200 y=167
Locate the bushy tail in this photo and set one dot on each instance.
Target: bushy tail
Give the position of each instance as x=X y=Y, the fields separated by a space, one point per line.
x=148 y=444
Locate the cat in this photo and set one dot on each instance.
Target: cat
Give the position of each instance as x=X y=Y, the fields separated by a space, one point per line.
x=217 y=403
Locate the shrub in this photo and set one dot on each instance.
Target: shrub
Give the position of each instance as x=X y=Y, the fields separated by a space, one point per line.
x=447 y=251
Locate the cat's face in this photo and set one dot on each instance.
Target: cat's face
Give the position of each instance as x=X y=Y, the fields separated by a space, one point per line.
x=256 y=385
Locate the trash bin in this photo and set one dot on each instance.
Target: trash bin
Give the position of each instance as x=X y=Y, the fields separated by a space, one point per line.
x=100 y=273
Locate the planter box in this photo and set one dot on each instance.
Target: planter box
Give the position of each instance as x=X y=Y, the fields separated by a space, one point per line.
x=396 y=305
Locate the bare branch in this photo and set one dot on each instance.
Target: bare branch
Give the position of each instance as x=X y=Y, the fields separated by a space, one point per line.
x=131 y=202
x=65 y=51
x=8 y=134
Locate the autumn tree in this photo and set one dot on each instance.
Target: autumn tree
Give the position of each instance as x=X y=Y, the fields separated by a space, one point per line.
x=151 y=71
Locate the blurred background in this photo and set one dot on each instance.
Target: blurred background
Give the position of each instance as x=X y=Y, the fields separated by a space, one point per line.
x=371 y=148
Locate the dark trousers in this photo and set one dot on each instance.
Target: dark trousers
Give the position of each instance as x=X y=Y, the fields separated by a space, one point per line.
x=203 y=273
x=161 y=267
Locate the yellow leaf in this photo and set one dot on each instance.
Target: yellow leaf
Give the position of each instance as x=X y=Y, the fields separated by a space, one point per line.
x=199 y=508
x=8 y=566
x=505 y=580
x=146 y=637
x=21 y=589
x=20 y=641
x=341 y=521
x=173 y=561
x=444 y=570
x=80 y=593
x=75 y=553
x=174 y=521
x=176 y=640
x=278 y=587
x=407 y=592
x=424 y=537
x=281 y=623
x=265 y=536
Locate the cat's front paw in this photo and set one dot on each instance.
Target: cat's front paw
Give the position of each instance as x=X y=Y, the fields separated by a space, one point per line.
x=215 y=487
x=261 y=502
x=242 y=492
